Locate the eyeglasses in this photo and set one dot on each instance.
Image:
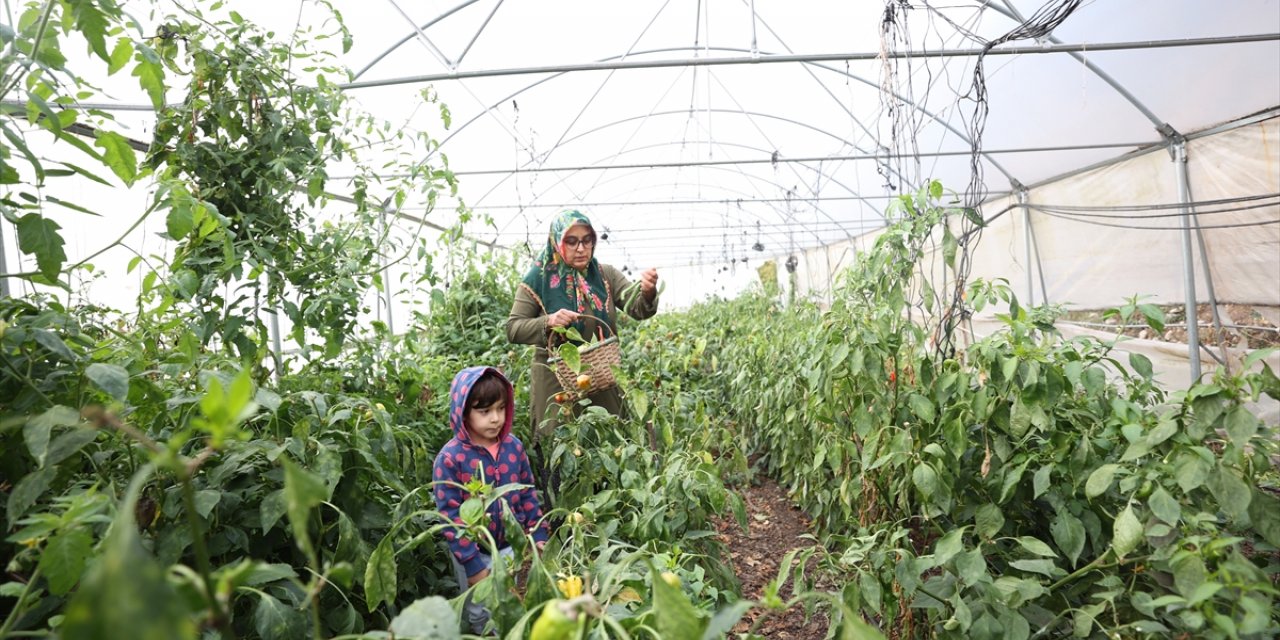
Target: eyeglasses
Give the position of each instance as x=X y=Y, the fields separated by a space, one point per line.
x=586 y=241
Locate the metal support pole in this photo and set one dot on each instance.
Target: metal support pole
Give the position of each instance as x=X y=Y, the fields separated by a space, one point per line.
x=1188 y=259
x=386 y=284
x=277 y=352
x=1026 y=239
x=4 y=266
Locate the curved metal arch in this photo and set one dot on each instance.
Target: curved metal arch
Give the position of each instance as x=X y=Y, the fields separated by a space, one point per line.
x=741 y=215
x=682 y=112
x=750 y=177
x=830 y=177
x=932 y=116
x=1161 y=126
x=460 y=6
x=736 y=170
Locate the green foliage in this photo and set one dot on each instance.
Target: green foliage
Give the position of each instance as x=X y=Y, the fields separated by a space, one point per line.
x=1028 y=483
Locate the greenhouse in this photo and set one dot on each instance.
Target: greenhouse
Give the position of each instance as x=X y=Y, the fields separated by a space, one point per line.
x=646 y=320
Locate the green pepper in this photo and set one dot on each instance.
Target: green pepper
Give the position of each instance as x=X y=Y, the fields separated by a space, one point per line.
x=554 y=623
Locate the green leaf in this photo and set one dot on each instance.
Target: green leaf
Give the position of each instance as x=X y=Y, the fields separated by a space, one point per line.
x=120 y=55
x=273 y=508
x=949 y=247
x=1126 y=532
x=1040 y=482
x=1264 y=512
x=112 y=378
x=922 y=407
x=1232 y=493
x=675 y=616
x=429 y=618
x=1258 y=614
x=472 y=511
x=725 y=619
x=1164 y=506
x=149 y=71
x=274 y=619
x=572 y=359
x=93 y=26
x=37 y=431
x=28 y=491
x=1188 y=573
x=1141 y=364
x=1019 y=418
x=1240 y=424
x=303 y=490
x=380 y=575
x=1015 y=626
x=925 y=479
x=1040 y=566
x=948 y=546
x=1036 y=546
x=67 y=444
x=1095 y=380
x=1203 y=592
x=126 y=588
x=1068 y=533
x=180 y=222
x=1153 y=314
x=268 y=573
x=39 y=236
x=1164 y=430
x=989 y=521
x=54 y=344
x=1100 y=480
x=206 y=500
x=118 y=155
x=1191 y=470
x=64 y=557
x=974 y=217
x=853 y=628
x=971 y=566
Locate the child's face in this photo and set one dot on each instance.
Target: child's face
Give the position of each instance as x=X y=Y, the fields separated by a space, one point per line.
x=485 y=425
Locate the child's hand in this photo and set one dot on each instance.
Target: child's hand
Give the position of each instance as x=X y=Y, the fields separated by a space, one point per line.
x=541 y=544
x=562 y=318
x=472 y=580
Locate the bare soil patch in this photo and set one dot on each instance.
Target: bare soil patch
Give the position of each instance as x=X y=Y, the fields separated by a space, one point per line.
x=775 y=527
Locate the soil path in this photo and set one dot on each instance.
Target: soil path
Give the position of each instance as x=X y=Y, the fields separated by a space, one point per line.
x=775 y=525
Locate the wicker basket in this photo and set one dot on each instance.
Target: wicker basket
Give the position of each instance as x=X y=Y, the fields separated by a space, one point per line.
x=598 y=361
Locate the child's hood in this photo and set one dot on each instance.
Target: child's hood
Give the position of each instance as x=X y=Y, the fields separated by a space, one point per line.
x=461 y=388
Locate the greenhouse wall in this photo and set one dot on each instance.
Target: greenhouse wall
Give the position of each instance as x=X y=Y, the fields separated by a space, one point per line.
x=1085 y=261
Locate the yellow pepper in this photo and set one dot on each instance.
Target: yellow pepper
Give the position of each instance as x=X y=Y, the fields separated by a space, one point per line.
x=571 y=586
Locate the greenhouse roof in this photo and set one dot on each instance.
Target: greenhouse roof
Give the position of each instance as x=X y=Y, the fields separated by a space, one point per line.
x=668 y=123
x=712 y=133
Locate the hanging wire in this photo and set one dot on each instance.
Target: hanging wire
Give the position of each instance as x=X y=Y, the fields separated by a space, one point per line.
x=1041 y=23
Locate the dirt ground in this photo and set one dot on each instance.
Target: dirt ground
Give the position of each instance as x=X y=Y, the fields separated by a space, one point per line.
x=1255 y=327
x=775 y=525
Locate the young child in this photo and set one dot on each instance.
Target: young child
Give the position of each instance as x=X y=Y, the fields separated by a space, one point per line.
x=481 y=410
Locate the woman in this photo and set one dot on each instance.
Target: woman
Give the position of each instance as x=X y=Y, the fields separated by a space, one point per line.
x=568 y=287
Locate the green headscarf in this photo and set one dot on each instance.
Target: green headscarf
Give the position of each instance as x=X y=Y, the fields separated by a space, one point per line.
x=559 y=286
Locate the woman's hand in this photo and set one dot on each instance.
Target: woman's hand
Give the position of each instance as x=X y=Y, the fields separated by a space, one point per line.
x=472 y=580
x=562 y=318
x=649 y=284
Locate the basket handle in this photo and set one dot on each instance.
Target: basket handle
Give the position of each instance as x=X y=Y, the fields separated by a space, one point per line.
x=600 y=323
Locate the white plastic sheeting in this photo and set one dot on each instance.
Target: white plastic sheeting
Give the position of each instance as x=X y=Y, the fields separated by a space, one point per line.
x=1084 y=265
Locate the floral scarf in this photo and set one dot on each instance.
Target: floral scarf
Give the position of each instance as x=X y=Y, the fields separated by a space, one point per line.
x=557 y=286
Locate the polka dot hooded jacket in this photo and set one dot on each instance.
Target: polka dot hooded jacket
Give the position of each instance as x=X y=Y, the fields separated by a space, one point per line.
x=459 y=461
